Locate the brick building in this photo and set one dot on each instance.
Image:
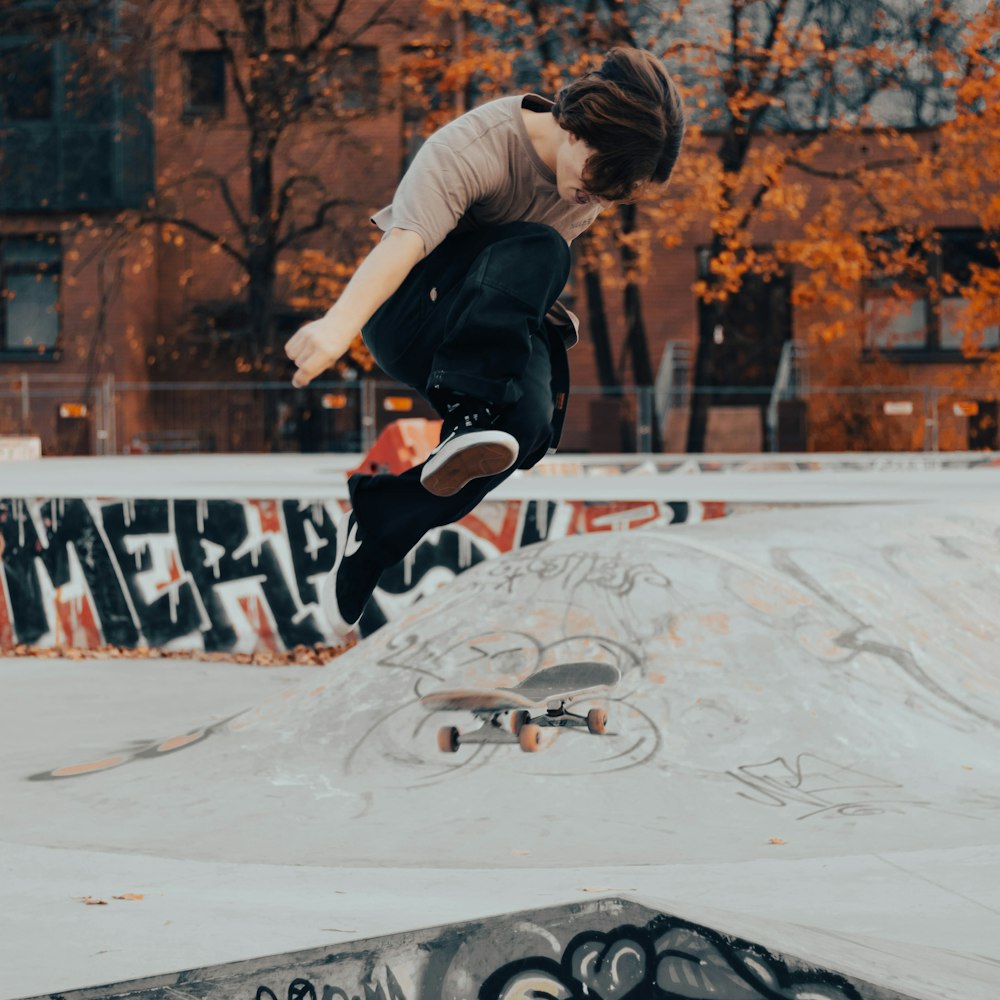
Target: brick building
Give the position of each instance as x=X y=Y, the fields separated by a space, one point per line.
x=104 y=320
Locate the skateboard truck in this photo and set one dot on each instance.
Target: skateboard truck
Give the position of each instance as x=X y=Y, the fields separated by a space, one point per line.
x=522 y=727
x=518 y=714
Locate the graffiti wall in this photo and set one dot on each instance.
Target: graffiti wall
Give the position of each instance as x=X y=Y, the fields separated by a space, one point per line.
x=240 y=575
x=611 y=949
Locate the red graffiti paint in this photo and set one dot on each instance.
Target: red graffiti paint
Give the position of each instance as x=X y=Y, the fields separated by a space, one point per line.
x=76 y=622
x=270 y=516
x=6 y=622
x=501 y=533
x=256 y=615
x=711 y=510
x=174 y=574
x=622 y=515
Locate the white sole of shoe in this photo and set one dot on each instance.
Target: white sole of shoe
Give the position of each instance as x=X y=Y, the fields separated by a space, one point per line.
x=467 y=457
x=328 y=591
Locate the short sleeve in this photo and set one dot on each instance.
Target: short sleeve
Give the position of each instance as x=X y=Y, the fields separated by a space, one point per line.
x=436 y=191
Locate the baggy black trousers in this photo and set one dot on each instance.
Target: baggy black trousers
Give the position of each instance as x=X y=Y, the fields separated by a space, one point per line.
x=469 y=318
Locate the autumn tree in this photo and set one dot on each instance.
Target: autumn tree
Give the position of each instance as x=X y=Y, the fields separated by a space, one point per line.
x=818 y=150
x=492 y=49
x=256 y=110
x=815 y=152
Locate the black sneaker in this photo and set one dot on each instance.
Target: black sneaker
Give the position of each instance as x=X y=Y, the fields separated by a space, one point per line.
x=351 y=582
x=469 y=449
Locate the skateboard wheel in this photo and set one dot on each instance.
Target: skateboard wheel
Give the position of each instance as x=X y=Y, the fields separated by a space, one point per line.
x=448 y=739
x=519 y=720
x=597 y=721
x=530 y=738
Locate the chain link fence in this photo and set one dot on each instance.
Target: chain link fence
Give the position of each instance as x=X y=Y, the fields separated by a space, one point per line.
x=74 y=416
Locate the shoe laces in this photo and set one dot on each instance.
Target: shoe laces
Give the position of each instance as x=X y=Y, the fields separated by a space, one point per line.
x=461 y=416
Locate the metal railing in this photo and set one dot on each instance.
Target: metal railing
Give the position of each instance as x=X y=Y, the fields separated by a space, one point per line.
x=790 y=382
x=74 y=416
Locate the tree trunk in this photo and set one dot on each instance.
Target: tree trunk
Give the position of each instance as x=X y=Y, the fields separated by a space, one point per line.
x=262 y=249
x=637 y=343
x=698 y=412
x=600 y=336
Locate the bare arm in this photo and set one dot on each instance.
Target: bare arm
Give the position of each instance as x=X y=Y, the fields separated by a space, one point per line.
x=316 y=346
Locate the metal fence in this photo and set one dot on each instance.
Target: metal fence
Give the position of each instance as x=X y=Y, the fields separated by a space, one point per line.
x=73 y=416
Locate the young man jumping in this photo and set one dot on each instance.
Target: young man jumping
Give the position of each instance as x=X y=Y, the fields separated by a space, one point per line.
x=459 y=300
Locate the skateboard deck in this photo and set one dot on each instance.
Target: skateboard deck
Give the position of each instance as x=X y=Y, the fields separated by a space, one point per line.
x=540 y=701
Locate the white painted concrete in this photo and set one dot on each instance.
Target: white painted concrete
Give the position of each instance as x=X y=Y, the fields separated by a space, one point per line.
x=826 y=678
x=750 y=479
x=871 y=916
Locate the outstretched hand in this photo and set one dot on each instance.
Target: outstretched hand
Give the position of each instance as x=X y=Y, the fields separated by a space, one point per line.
x=315 y=347
x=322 y=342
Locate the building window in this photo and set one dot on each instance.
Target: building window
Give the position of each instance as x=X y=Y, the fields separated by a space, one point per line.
x=960 y=251
x=204 y=83
x=894 y=322
x=346 y=81
x=29 y=271
x=744 y=336
x=913 y=305
x=357 y=72
x=27 y=80
x=350 y=80
x=72 y=136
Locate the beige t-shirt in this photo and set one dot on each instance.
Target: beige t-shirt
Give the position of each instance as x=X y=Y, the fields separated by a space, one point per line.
x=480 y=170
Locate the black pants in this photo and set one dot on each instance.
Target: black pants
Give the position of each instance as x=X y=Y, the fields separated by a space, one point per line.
x=469 y=318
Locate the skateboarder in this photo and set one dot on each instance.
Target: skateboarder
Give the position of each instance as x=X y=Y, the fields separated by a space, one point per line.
x=459 y=299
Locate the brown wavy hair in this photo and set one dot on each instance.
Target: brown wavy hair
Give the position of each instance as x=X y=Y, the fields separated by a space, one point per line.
x=630 y=113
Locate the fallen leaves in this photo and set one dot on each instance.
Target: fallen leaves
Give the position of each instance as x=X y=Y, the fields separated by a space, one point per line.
x=96 y=901
x=299 y=656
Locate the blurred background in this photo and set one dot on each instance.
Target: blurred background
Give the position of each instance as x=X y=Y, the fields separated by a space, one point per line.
x=183 y=183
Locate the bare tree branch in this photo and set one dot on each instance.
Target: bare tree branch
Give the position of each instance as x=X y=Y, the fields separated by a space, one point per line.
x=227 y=196
x=156 y=218
x=319 y=221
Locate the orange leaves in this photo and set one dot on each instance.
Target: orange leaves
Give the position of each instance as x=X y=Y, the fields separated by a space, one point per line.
x=96 y=901
x=315 y=279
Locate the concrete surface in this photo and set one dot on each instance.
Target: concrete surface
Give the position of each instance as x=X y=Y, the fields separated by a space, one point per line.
x=225 y=553
x=900 y=478
x=806 y=757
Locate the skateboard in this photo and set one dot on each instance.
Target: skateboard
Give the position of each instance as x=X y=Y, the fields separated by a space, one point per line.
x=538 y=702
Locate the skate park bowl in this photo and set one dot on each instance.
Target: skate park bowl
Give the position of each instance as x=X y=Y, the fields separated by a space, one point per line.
x=797 y=796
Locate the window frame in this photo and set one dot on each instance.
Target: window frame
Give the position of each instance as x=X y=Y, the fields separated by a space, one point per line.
x=930 y=297
x=48 y=49
x=355 y=98
x=49 y=268
x=203 y=112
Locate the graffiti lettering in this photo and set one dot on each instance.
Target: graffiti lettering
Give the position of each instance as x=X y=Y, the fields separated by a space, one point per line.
x=303 y=989
x=821 y=786
x=239 y=576
x=666 y=958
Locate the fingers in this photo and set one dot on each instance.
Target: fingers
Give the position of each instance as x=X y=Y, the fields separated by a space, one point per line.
x=298 y=343
x=310 y=359
x=309 y=365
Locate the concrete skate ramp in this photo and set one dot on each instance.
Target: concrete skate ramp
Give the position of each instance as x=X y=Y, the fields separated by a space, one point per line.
x=799 y=689
x=224 y=553
x=605 y=949
x=828 y=673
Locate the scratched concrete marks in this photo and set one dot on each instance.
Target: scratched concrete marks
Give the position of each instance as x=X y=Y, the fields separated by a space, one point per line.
x=604 y=949
x=803 y=759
